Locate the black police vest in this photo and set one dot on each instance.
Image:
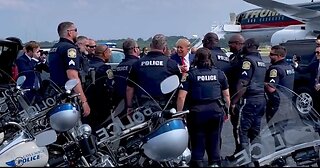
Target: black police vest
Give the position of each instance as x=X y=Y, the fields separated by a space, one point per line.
x=120 y=76
x=220 y=59
x=152 y=70
x=287 y=74
x=204 y=86
x=256 y=85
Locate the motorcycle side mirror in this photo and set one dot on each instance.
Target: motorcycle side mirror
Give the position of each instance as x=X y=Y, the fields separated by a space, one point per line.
x=70 y=84
x=169 y=84
x=46 y=138
x=21 y=80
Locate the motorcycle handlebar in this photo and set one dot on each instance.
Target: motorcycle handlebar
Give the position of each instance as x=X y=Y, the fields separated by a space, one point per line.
x=13 y=123
x=179 y=113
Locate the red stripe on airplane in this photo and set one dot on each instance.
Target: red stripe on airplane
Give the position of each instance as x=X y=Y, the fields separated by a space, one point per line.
x=270 y=24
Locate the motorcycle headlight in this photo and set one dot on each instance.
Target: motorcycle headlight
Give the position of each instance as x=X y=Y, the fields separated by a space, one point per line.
x=63 y=117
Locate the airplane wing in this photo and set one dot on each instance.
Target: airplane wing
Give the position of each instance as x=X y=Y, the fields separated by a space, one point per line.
x=312 y=17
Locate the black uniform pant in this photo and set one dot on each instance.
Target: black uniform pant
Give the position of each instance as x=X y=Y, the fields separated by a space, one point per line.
x=205 y=126
x=250 y=121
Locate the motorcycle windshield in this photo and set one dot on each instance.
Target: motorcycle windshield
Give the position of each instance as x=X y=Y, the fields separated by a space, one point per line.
x=116 y=124
x=288 y=138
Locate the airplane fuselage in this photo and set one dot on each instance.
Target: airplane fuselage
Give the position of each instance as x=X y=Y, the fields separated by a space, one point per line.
x=263 y=23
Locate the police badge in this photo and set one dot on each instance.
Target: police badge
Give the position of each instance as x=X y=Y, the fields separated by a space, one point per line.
x=109 y=73
x=72 y=53
x=273 y=73
x=184 y=77
x=246 y=65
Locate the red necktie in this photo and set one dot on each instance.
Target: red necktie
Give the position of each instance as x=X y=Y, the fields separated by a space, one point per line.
x=183 y=61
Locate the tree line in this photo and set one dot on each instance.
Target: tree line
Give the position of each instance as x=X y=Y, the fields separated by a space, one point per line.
x=141 y=42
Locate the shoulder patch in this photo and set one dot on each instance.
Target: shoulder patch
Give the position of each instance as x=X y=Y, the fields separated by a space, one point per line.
x=109 y=73
x=184 y=77
x=72 y=53
x=246 y=65
x=273 y=73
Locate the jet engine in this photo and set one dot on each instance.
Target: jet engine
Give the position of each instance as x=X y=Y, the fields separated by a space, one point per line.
x=294 y=32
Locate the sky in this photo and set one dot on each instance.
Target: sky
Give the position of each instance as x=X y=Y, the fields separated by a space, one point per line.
x=117 y=19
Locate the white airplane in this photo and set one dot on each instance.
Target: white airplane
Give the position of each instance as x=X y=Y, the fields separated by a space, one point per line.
x=274 y=22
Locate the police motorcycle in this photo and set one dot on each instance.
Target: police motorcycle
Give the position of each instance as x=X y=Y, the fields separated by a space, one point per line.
x=18 y=145
x=147 y=137
x=75 y=146
x=291 y=138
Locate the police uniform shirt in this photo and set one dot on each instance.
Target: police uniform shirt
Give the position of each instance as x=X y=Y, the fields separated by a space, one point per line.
x=206 y=78
x=253 y=71
x=220 y=59
x=247 y=67
x=63 y=56
x=121 y=73
x=280 y=73
x=150 y=70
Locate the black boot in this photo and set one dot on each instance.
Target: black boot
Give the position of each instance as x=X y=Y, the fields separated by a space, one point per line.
x=196 y=163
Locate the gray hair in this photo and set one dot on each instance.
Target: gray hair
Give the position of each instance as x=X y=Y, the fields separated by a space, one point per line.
x=63 y=27
x=159 y=41
x=128 y=45
x=81 y=38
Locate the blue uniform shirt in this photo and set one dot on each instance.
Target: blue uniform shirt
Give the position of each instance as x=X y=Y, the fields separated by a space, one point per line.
x=63 y=55
x=149 y=71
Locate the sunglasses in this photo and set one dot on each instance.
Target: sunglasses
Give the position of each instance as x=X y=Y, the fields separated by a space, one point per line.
x=76 y=30
x=273 y=54
x=235 y=42
x=91 y=46
x=317 y=52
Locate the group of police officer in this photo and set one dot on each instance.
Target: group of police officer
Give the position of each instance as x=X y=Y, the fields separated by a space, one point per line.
x=204 y=89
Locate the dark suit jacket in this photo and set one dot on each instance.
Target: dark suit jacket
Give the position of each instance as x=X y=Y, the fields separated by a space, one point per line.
x=177 y=58
x=31 y=69
x=312 y=68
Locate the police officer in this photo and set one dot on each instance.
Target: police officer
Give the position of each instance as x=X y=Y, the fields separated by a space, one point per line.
x=220 y=59
x=207 y=88
x=132 y=52
x=64 y=61
x=250 y=87
x=99 y=92
x=149 y=71
x=82 y=43
x=236 y=43
x=279 y=74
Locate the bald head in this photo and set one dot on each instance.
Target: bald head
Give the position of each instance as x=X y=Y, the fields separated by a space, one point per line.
x=100 y=49
x=236 y=38
x=236 y=43
x=103 y=51
x=210 y=40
